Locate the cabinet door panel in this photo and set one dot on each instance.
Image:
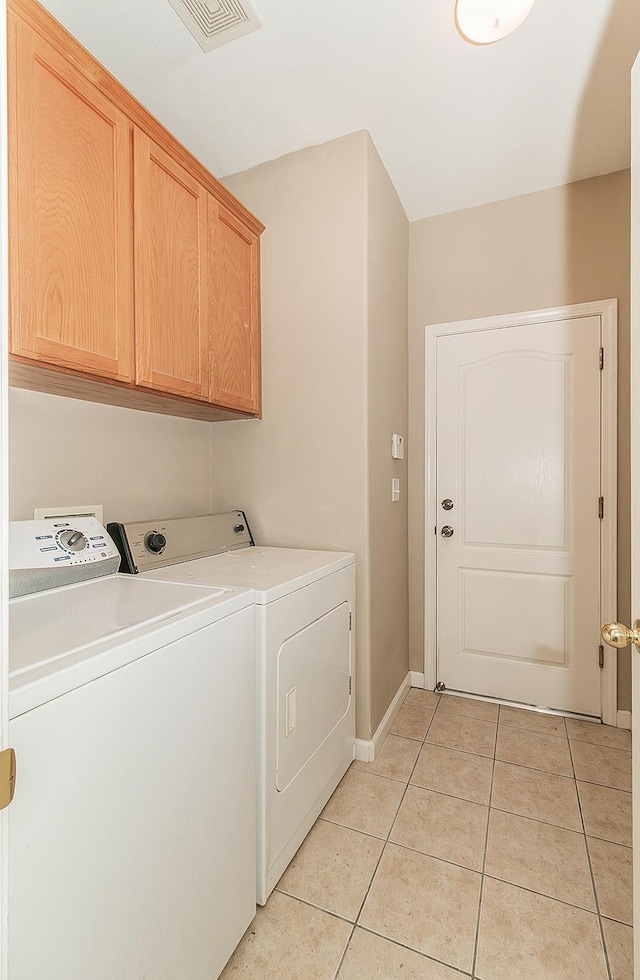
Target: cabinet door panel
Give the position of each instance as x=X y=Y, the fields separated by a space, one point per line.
x=234 y=288
x=170 y=230
x=70 y=197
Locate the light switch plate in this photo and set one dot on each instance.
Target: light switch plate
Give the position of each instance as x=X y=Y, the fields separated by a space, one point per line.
x=395 y=490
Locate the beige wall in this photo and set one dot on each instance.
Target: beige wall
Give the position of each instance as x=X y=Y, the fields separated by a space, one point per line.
x=388 y=254
x=565 y=245
x=303 y=473
x=136 y=464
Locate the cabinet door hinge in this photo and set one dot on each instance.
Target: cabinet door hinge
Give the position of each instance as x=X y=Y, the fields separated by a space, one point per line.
x=601 y=657
x=349 y=685
x=350 y=621
x=601 y=359
x=601 y=507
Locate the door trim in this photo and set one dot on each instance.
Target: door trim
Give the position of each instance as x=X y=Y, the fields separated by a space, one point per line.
x=607 y=310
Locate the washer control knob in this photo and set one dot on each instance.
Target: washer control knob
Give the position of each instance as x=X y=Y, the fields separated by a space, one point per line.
x=238 y=528
x=73 y=540
x=155 y=542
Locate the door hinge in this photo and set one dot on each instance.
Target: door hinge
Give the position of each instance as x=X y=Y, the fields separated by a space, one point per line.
x=601 y=657
x=7 y=777
x=601 y=507
x=350 y=621
x=601 y=359
x=349 y=685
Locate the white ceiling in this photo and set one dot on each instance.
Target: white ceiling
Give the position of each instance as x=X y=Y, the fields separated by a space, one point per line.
x=456 y=125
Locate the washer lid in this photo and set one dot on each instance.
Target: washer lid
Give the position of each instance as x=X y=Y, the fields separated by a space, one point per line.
x=64 y=637
x=271 y=572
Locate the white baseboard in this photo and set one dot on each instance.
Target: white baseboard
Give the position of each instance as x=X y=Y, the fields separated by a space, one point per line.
x=624 y=719
x=417 y=679
x=365 y=751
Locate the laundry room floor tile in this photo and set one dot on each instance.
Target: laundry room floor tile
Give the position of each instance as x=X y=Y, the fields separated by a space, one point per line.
x=426 y=904
x=587 y=731
x=462 y=733
x=333 y=869
x=423 y=699
x=412 y=721
x=536 y=794
x=288 y=940
x=534 y=750
x=395 y=759
x=443 y=826
x=454 y=773
x=529 y=937
x=619 y=942
x=365 y=802
x=606 y=812
x=450 y=704
x=613 y=875
x=598 y=764
x=370 y=957
x=532 y=721
x=538 y=856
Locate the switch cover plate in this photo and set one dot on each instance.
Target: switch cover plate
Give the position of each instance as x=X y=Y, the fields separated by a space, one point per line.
x=397 y=446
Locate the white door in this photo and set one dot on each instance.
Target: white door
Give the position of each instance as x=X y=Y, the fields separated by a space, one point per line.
x=635 y=487
x=518 y=463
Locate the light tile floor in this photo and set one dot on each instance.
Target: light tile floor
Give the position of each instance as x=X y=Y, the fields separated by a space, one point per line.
x=483 y=841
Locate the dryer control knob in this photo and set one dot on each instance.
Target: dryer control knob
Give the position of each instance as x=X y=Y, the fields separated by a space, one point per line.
x=155 y=542
x=238 y=528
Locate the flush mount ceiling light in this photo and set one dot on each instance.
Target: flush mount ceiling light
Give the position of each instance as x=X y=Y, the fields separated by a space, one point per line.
x=486 y=21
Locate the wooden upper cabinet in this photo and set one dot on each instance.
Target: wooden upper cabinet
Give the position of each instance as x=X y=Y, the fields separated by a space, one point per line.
x=134 y=273
x=170 y=233
x=70 y=214
x=234 y=303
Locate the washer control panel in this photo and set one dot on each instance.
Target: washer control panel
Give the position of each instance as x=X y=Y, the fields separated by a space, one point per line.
x=48 y=543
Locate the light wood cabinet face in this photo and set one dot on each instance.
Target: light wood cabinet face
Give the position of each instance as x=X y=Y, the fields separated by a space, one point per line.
x=234 y=301
x=170 y=232
x=70 y=215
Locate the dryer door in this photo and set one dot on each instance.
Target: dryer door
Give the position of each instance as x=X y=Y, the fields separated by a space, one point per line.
x=313 y=681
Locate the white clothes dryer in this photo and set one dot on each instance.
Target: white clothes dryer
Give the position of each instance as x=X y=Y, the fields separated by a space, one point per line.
x=305 y=615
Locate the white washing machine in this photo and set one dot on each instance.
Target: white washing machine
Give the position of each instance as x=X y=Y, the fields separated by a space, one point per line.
x=132 y=830
x=305 y=604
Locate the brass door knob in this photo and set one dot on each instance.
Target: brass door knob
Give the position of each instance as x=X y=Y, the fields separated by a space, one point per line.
x=617 y=635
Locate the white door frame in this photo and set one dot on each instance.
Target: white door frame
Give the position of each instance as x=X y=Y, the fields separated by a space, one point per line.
x=608 y=311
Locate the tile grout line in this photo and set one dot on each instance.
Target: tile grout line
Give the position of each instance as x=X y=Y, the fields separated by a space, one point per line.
x=411 y=949
x=312 y=905
x=407 y=784
x=476 y=941
x=344 y=952
x=593 y=878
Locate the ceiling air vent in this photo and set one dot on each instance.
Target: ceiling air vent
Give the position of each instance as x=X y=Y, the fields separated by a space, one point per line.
x=215 y=22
